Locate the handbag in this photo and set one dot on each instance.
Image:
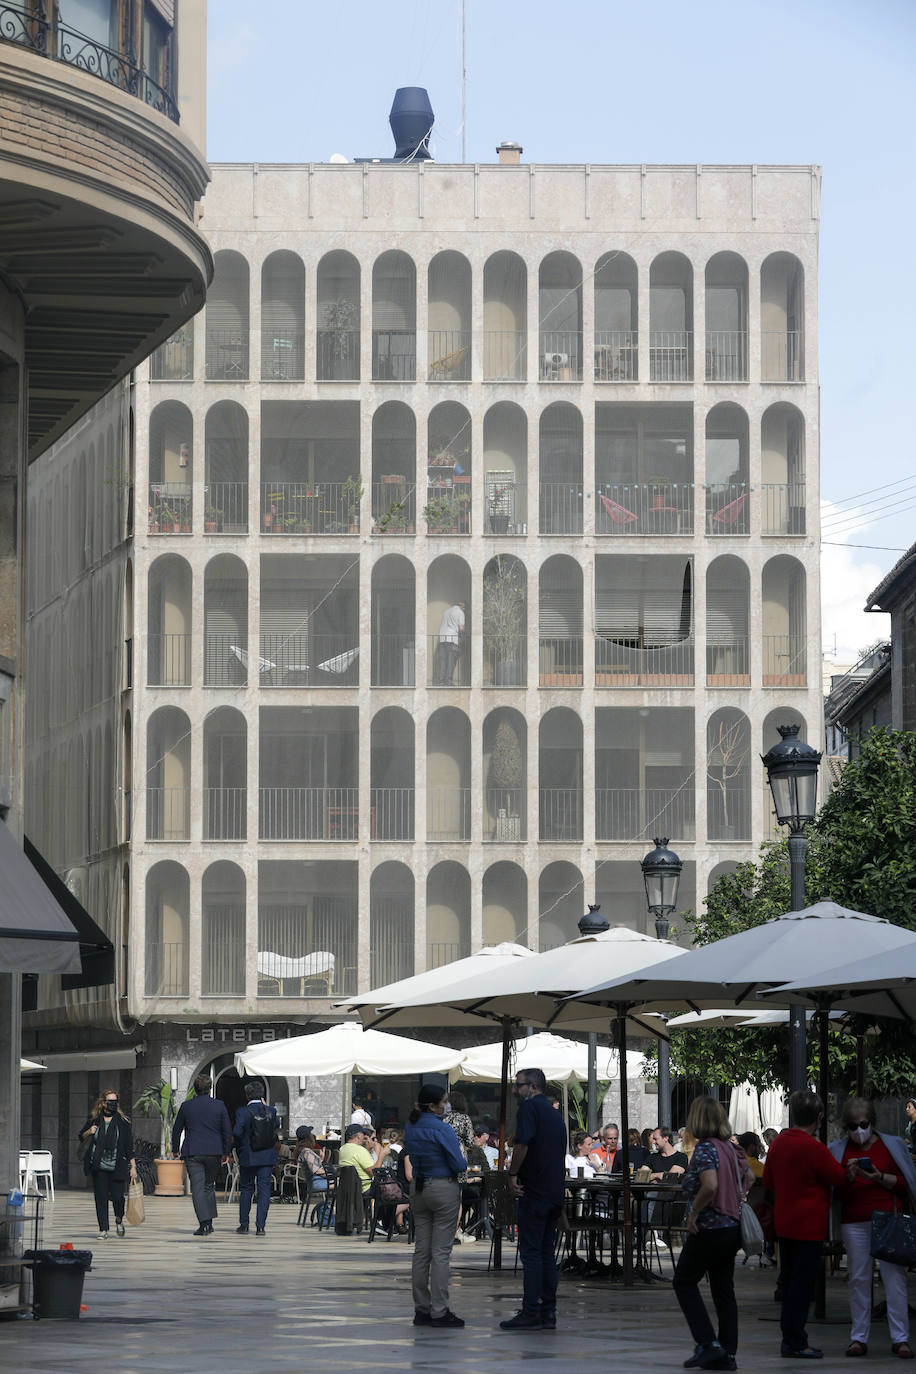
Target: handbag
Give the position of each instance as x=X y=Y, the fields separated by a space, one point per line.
x=748 y=1223
x=893 y=1237
x=135 y=1211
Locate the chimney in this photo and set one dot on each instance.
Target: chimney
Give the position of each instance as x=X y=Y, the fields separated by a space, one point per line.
x=509 y=153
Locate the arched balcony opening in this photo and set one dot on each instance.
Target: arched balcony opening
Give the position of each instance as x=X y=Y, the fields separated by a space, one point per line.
x=394 y=628
x=394 y=469
x=128 y=605
x=561 y=902
x=728 y=775
x=782 y=319
x=310 y=467
x=728 y=498
x=448 y=607
x=308 y=928
x=309 y=621
x=283 y=318
x=225 y=774
x=222 y=935
x=644 y=620
x=644 y=774
x=560 y=469
x=448 y=777
x=505 y=318
x=616 y=319
x=127 y=750
x=168 y=775
x=449 y=297
x=227 y=319
x=560 y=318
x=394 y=318
x=621 y=894
x=392 y=776
x=560 y=776
x=226 y=469
x=225 y=622
x=168 y=908
x=505 y=776
x=337 y=326
x=560 y=623
x=671 y=319
x=785 y=632
x=308 y=773
x=643 y=470
x=391 y=924
x=769 y=735
x=448 y=914
x=505 y=461
x=722 y=870
x=173 y=361
x=170 y=469
x=448 y=477
x=168 y=618
x=505 y=905
x=728 y=600
x=782 y=463
x=505 y=622
x=726 y=318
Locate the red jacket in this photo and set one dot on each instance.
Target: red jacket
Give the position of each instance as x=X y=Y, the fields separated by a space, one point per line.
x=800 y=1172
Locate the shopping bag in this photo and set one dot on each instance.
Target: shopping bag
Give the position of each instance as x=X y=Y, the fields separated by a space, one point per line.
x=893 y=1237
x=135 y=1212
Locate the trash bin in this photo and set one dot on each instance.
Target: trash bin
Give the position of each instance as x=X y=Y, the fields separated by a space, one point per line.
x=57 y=1281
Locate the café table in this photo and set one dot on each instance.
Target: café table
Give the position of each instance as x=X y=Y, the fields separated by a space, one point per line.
x=592 y=1197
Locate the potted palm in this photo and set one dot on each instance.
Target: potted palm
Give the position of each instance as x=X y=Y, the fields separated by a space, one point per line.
x=160 y=1100
x=505 y=781
x=353 y=495
x=504 y=619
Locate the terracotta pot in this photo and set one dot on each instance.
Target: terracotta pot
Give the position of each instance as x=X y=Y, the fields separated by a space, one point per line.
x=169 y=1177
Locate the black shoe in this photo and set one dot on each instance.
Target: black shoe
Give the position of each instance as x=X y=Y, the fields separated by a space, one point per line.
x=448 y=1319
x=421 y=1318
x=241 y=1230
x=204 y=1229
x=810 y=1352
x=694 y=1360
x=548 y=1319
x=260 y=1231
x=523 y=1321
x=712 y=1356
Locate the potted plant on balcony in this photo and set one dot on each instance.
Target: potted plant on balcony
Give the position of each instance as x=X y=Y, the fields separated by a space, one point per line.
x=658 y=491
x=213 y=517
x=353 y=495
x=394 y=520
x=339 y=318
x=498 y=510
x=504 y=619
x=727 y=762
x=506 y=777
x=166 y=518
x=442 y=515
x=160 y=1100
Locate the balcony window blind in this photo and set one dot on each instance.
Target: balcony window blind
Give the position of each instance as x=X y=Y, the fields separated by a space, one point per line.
x=645 y=605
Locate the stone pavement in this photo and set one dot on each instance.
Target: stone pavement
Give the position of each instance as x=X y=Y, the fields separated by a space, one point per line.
x=162 y=1302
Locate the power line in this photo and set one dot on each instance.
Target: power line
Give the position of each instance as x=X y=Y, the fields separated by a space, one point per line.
x=845 y=500
x=886 y=548
x=879 y=504
x=870 y=518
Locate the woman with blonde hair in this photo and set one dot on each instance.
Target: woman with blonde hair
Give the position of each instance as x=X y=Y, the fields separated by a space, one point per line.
x=716 y=1181
x=109 y=1159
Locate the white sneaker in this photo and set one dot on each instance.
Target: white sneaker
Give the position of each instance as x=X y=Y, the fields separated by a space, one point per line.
x=119 y=1227
x=103 y=1235
x=468 y=1237
x=659 y=1242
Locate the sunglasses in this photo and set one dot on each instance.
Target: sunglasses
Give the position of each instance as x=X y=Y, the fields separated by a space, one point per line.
x=859 y=1125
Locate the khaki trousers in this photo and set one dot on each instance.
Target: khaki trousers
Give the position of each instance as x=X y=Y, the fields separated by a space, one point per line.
x=435 y=1220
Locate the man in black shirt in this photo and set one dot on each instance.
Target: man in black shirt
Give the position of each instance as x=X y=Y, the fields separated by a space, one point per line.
x=537 y=1176
x=666 y=1160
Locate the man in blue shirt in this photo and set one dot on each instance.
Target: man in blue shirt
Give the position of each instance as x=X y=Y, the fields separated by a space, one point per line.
x=256 y=1165
x=537 y=1174
x=204 y=1123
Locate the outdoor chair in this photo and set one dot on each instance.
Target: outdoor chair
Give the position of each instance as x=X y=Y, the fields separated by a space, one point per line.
x=40 y=1165
x=617 y=514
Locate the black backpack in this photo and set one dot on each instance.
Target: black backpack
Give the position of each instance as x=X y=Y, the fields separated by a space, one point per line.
x=263 y=1132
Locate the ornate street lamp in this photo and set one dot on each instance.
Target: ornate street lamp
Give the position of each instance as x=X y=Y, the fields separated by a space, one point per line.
x=661 y=870
x=592 y=923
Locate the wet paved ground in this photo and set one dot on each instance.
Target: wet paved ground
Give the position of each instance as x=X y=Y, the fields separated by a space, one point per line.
x=162 y=1301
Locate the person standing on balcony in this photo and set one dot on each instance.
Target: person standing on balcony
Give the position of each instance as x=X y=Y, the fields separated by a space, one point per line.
x=448 y=648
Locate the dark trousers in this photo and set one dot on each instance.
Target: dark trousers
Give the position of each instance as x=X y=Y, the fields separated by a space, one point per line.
x=798 y=1265
x=710 y=1254
x=445 y=663
x=202 y=1172
x=249 y=1176
x=537 y=1238
x=107 y=1188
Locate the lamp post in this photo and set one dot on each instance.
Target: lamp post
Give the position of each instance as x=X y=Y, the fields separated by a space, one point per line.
x=661 y=870
x=592 y=923
x=792 y=774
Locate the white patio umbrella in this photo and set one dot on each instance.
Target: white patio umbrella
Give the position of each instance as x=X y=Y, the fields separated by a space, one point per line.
x=347 y=1048
x=744 y=1109
x=774 y=1108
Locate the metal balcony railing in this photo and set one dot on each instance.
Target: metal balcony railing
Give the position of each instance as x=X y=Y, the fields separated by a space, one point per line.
x=394 y=507
x=390 y=960
x=560 y=662
x=173 y=361
x=393 y=660
x=226 y=508
x=449 y=355
x=623 y=665
x=166 y=969
x=671 y=355
x=168 y=661
x=128 y=664
x=170 y=508
x=632 y=813
x=227 y=355
x=728 y=812
x=654 y=508
x=726 y=355
x=226 y=659
x=504 y=815
x=505 y=355
x=338 y=355
x=168 y=813
x=728 y=508
x=308 y=813
x=310 y=507
x=781 y=356
x=728 y=662
x=304 y=660
x=391 y=813
x=449 y=663
x=782 y=507
x=222 y=971
x=560 y=355
x=394 y=355
x=448 y=815
x=505 y=665
x=225 y=813
x=560 y=811
x=282 y=355
x=560 y=508
x=442 y=952
x=784 y=661
x=616 y=356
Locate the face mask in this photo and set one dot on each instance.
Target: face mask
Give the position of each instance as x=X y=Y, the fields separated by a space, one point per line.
x=447 y=1109
x=110 y=1108
x=859 y=1136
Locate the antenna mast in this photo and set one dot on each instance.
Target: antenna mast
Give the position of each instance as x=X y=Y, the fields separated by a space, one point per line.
x=464 y=81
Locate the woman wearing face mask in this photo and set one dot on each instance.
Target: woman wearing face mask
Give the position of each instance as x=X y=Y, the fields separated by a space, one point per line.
x=435 y=1197
x=881 y=1179
x=109 y=1159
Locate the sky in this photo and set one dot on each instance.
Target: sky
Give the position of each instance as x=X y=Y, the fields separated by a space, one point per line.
x=742 y=81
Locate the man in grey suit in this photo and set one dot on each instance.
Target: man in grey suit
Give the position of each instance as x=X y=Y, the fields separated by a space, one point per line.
x=204 y=1123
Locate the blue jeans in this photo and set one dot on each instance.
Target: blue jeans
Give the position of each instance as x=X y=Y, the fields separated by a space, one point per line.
x=249 y=1175
x=537 y=1238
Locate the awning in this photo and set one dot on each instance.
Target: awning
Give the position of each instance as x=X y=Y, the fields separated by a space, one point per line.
x=88 y=1061
x=96 y=950
x=35 y=934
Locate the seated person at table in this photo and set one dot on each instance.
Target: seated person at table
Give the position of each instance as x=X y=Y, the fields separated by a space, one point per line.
x=309 y=1153
x=610 y=1160
x=478 y=1163
x=638 y=1153
x=667 y=1160
x=364 y=1160
x=579 y=1161
x=395 y=1141
x=491 y=1150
